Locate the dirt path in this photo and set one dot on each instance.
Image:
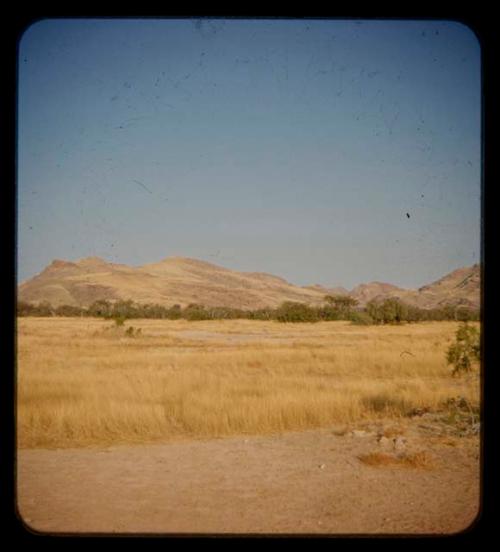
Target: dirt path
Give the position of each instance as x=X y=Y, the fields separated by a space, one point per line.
x=307 y=482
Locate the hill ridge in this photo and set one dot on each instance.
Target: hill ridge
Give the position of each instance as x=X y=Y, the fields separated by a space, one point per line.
x=184 y=280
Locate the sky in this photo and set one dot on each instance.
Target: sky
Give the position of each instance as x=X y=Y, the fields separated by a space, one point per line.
x=332 y=152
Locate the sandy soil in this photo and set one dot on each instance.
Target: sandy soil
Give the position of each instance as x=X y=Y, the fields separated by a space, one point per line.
x=305 y=482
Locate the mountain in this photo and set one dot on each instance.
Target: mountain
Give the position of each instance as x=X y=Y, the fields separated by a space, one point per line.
x=338 y=290
x=374 y=290
x=175 y=280
x=458 y=288
x=180 y=280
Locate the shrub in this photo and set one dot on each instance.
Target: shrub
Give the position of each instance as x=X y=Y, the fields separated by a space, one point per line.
x=329 y=312
x=133 y=332
x=390 y=311
x=225 y=313
x=174 y=312
x=42 y=309
x=100 y=308
x=341 y=303
x=125 y=309
x=26 y=309
x=261 y=314
x=374 y=311
x=296 y=312
x=119 y=320
x=69 y=310
x=360 y=318
x=465 y=349
x=464 y=315
x=195 y=312
x=386 y=403
x=421 y=459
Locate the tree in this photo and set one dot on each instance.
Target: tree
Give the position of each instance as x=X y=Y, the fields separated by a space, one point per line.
x=100 y=308
x=375 y=312
x=124 y=309
x=343 y=303
x=389 y=311
x=394 y=311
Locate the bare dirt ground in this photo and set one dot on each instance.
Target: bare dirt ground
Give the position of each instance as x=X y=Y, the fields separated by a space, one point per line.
x=309 y=482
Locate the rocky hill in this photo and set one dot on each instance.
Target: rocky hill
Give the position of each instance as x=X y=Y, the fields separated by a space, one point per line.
x=175 y=280
x=180 y=280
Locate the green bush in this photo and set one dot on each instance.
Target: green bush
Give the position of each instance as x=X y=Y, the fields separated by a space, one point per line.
x=69 y=310
x=464 y=315
x=133 y=332
x=360 y=318
x=389 y=311
x=119 y=320
x=195 y=312
x=343 y=304
x=101 y=308
x=296 y=312
x=26 y=309
x=465 y=350
x=174 y=312
x=126 y=309
x=329 y=312
x=261 y=314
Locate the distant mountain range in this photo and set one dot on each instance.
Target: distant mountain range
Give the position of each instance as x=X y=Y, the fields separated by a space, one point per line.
x=180 y=280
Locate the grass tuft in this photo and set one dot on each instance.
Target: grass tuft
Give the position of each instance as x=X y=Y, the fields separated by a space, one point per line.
x=417 y=460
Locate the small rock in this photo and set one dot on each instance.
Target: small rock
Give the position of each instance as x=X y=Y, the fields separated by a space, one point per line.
x=358 y=433
x=322 y=466
x=419 y=411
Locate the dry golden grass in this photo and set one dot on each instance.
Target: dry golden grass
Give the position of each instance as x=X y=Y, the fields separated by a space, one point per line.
x=393 y=431
x=82 y=383
x=417 y=460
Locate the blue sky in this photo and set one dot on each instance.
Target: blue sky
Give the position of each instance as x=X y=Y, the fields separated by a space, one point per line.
x=284 y=146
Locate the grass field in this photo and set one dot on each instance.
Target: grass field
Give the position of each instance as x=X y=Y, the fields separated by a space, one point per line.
x=83 y=382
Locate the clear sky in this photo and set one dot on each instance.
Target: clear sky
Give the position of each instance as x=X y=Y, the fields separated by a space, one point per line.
x=323 y=151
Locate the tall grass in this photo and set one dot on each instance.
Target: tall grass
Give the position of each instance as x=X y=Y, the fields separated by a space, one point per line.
x=81 y=382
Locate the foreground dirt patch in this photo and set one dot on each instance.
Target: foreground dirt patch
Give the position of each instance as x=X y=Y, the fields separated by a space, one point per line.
x=308 y=482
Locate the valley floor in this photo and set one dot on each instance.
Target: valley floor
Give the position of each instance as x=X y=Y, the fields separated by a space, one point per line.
x=241 y=427
x=310 y=482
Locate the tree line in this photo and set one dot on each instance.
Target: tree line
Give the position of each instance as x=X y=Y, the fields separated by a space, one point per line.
x=340 y=307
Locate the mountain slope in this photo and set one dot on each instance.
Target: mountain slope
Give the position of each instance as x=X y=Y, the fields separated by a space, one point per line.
x=175 y=280
x=179 y=280
x=374 y=290
x=458 y=288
